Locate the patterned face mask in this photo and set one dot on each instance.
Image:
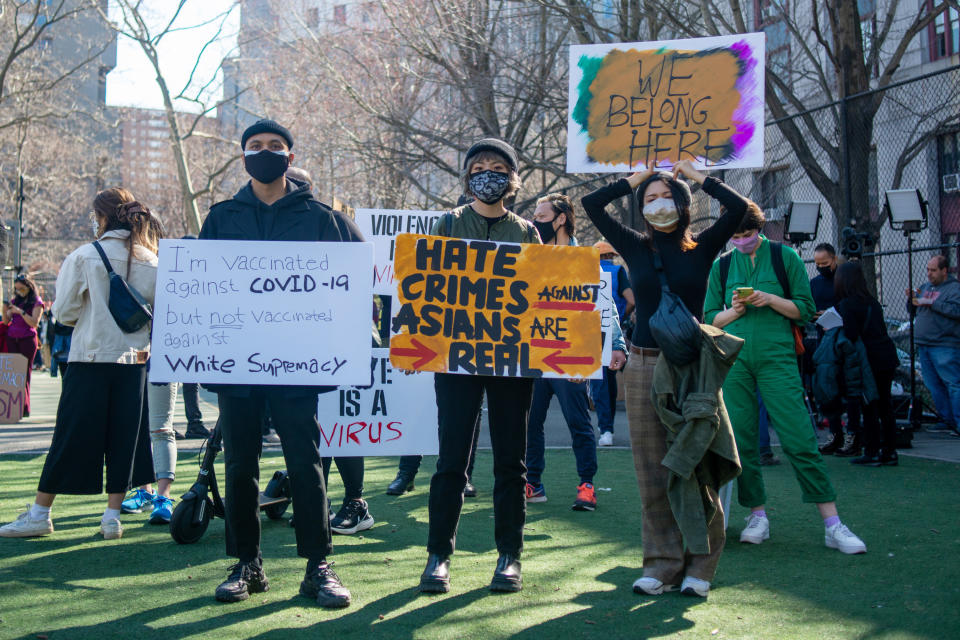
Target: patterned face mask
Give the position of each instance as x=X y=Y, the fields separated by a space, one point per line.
x=489 y=186
x=661 y=213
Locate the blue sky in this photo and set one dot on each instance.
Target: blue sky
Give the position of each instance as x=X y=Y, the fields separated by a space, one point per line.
x=133 y=81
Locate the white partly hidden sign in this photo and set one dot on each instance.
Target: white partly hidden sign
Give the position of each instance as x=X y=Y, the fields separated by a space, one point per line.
x=262 y=313
x=395 y=416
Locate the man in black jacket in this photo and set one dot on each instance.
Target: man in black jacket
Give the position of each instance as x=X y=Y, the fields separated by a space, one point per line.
x=272 y=207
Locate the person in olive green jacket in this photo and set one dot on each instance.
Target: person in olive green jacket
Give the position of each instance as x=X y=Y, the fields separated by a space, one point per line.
x=490 y=175
x=768 y=362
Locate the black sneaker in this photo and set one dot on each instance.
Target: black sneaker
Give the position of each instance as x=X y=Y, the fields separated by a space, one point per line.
x=400 y=485
x=322 y=584
x=197 y=431
x=352 y=517
x=767 y=459
x=851 y=447
x=469 y=491
x=245 y=578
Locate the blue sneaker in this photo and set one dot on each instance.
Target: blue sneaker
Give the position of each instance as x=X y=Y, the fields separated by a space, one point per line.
x=136 y=501
x=162 y=510
x=536 y=493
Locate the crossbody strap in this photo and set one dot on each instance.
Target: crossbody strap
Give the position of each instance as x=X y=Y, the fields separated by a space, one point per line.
x=658 y=264
x=103 y=256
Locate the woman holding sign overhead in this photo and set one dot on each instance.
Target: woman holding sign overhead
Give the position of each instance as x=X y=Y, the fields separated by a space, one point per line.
x=686 y=259
x=490 y=175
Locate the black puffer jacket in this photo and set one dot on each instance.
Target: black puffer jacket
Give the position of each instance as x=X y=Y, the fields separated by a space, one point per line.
x=298 y=217
x=836 y=361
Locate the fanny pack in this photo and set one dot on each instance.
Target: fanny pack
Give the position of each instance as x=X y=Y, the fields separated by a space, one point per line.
x=675 y=329
x=129 y=309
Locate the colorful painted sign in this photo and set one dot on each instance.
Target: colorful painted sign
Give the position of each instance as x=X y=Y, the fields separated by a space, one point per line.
x=395 y=415
x=499 y=309
x=13 y=384
x=262 y=313
x=644 y=105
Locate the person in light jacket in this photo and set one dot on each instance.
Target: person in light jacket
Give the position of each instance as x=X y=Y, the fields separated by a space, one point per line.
x=101 y=410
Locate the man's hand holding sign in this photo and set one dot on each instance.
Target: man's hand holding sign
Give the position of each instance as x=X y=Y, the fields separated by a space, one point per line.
x=497 y=309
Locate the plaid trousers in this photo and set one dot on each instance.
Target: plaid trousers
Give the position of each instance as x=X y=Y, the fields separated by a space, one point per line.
x=664 y=557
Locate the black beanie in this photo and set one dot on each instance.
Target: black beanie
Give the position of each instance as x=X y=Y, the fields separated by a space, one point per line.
x=497 y=146
x=679 y=189
x=266 y=126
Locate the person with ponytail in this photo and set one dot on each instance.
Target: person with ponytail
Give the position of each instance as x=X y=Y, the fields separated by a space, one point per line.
x=102 y=412
x=22 y=313
x=664 y=200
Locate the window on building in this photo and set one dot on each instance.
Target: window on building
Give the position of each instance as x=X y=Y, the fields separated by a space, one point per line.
x=769 y=17
x=102 y=86
x=943 y=32
x=340 y=14
x=948 y=152
x=313 y=17
x=868 y=30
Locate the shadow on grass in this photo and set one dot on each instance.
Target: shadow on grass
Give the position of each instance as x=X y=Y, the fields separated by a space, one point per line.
x=138 y=624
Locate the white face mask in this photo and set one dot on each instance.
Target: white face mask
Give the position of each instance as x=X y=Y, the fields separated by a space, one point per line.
x=661 y=213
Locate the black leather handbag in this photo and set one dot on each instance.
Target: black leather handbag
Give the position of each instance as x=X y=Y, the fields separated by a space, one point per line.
x=676 y=330
x=129 y=309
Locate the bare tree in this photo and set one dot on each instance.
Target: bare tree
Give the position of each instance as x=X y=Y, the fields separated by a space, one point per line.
x=135 y=23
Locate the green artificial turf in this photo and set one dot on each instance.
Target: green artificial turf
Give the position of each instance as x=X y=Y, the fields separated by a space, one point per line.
x=578 y=567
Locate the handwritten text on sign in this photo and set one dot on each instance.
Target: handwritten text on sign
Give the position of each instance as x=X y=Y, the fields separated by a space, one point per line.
x=270 y=313
x=497 y=309
x=395 y=416
x=381 y=226
x=650 y=104
x=13 y=382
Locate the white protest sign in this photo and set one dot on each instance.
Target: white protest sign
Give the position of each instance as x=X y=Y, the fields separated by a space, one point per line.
x=642 y=105
x=380 y=226
x=262 y=313
x=607 y=310
x=395 y=416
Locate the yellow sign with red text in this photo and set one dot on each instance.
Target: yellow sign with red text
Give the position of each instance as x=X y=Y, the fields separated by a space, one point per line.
x=478 y=307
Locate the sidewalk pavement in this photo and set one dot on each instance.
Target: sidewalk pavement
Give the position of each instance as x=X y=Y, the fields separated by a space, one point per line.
x=32 y=435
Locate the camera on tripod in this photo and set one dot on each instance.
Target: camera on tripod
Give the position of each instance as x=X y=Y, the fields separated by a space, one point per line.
x=853 y=243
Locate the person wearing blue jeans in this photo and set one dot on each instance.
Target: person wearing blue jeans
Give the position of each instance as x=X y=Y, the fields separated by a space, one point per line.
x=604 y=390
x=554 y=219
x=937 y=334
x=767 y=459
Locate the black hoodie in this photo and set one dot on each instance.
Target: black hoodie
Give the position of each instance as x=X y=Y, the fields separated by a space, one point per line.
x=298 y=217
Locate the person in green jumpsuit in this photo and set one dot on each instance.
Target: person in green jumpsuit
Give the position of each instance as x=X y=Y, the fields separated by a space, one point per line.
x=768 y=362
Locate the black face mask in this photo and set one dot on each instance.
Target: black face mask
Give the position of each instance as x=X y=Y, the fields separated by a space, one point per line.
x=266 y=166
x=489 y=186
x=547 y=232
x=826 y=272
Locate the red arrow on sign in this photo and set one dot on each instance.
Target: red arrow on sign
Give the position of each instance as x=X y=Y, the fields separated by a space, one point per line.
x=554 y=360
x=422 y=351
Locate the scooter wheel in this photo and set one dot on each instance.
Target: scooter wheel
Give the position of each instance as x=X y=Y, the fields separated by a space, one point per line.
x=183 y=529
x=276 y=511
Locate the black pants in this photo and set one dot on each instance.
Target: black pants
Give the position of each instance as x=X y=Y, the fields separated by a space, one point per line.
x=410 y=465
x=191 y=404
x=459 y=400
x=351 y=473
x=102 y=416
x=879 y=423
x=295 y=420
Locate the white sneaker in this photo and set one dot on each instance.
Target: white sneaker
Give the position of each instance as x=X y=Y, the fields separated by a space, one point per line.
x=26 y=527
x=111 y=529
x=841 y=538
x=694 y=587
x=651 y=586
x=606 y=439
x=758 y=530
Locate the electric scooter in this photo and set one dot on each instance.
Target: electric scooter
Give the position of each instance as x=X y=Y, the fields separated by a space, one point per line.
x=202 y=501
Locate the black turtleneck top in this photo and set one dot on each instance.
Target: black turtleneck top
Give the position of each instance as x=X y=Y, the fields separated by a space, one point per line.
x=686 y=271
